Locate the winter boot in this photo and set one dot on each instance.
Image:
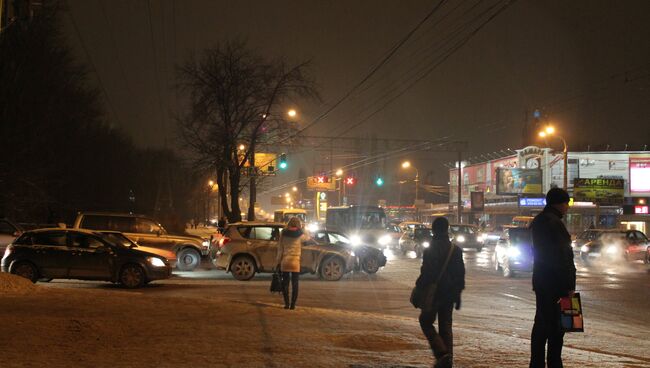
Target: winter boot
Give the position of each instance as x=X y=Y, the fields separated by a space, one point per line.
x=444 y=361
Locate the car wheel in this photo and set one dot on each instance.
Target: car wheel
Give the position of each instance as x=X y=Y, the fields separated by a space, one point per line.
x=132 y=276
x=507 y=271
x=332 y=269
x=370 y=265
x=243 y=268
x=26 y=270
x=188 y=259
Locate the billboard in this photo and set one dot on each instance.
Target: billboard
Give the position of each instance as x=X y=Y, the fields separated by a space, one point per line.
x=600 y=190
x=511 y=181
x=321 y=183
x=639 y=174
x=477 y=201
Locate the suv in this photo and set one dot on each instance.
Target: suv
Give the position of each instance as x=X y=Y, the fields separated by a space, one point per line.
x=611 y=245
x=80 y=254
x=148 y=233
x=251 y=247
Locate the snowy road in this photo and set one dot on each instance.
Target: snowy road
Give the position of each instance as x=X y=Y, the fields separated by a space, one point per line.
x=496 y=311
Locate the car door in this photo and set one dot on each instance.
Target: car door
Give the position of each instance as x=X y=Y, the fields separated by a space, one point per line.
x=264 y=244
x=149 y=234
x=50 y=253
x=90 y=258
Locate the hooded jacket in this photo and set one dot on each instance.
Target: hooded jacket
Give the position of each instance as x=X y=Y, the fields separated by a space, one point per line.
x=289 y=250
x=452 y=281
x=554 y=272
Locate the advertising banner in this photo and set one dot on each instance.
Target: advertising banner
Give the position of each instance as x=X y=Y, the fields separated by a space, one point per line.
x=639 y=174
x=602 y=191
x=477 y=201
x=519 y=181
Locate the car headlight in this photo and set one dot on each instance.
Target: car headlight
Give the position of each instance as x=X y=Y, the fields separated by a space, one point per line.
x=352 y=254
x=384 y=240
x=156 y=262
x=355 y=240
x=584 y=249
x=425 y=244
x=513 y=252
x=573 y=244
x=482 y=238
x=206 y=244
x=312 y=227
x=612 y=249
x=460 y=239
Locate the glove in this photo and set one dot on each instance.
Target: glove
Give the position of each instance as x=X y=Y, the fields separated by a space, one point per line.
x=457 y=303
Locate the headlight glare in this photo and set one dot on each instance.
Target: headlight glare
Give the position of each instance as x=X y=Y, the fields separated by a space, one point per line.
x=156 y=262
x=355 y=240
x=206 y=243
x=384 y=240
x=513 y=252
x=612 y=249
x=426 y=244
x=460 y=238
x=584 y=249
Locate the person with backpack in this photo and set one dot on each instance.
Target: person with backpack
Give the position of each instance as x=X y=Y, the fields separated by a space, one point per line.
x=441 y=281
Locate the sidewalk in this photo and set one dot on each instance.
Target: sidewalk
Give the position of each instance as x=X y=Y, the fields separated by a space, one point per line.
x=112 y=327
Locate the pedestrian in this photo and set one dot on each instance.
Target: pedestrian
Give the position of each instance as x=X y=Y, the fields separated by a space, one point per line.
x=450 y=283
x=554 y=276
x=288 y=259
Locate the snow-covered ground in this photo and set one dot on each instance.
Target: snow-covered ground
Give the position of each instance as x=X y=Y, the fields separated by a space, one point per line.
x=105 y=326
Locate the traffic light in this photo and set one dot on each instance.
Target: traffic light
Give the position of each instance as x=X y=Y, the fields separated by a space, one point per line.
x=283 y=162
x=350 y=180
x=379 y=181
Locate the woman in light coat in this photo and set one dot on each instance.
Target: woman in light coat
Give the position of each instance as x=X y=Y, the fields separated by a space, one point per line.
x=288 y=259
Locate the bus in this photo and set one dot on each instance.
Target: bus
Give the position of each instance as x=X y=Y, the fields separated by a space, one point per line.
x=363 y=224
x=285 y=214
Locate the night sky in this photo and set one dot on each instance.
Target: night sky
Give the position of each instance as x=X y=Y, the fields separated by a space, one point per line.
x=585 y=64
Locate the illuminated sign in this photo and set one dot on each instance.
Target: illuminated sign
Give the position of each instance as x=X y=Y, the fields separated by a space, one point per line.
x=639 y=174
x=350 y=181
x=532 y=202
x=601 y=190
x=641 y=210
x=321 y=183
x=519 y=181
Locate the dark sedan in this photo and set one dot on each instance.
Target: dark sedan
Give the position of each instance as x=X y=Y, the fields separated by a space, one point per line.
x=369 y=259
x=85 y=255
x=466 y=236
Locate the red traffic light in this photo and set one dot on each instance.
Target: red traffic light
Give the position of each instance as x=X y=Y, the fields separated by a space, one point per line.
x=322 y=179
x=350 y=181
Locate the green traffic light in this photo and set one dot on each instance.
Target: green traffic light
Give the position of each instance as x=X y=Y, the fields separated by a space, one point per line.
x=283 y=165
x=379 y=182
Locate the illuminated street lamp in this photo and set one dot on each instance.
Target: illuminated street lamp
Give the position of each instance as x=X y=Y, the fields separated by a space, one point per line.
x=406 y=165
x=339 y=172
x=295 y=189
x=550 y=131
x=292 y=113
x=241 y=147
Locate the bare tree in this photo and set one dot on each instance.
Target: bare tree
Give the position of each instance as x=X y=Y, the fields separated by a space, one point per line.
x=236 y=98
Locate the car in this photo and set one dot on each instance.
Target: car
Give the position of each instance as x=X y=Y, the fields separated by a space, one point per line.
x=81 y=254
x=143 y=230
x=466 y=236
x=416 y=240
x=369 y=259
x=250 y=247
x=611 y=245
x=514 y=252
x=9 y=231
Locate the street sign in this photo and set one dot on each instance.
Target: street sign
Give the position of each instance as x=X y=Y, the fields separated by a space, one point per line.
x=264 y=165
x=599 y=190
x=321 y=183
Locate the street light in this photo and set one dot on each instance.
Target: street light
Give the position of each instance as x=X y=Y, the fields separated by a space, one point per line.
x=406 y=165
x=295 y=189
x=292 y=113
x=550 y=131
x=339 y=172
x=241 y=147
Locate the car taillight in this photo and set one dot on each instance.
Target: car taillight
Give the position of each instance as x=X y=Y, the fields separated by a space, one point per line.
x=223 y=241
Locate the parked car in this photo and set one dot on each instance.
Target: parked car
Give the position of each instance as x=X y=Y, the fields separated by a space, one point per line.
x=9 y=231
x=250 y=247
x=80 y=254
x=149 y=233
x=416 y=240
x=369 y=259
x=611 y=245
x=514 y=252
x=466 y=236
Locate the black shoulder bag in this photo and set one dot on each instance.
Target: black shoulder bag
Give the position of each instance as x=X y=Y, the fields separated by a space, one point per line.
x=422 y=297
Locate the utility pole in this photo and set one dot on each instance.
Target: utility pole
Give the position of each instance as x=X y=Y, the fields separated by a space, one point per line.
x=459 y=216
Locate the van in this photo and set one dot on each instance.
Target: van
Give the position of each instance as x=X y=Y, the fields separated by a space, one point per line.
x=522 y=221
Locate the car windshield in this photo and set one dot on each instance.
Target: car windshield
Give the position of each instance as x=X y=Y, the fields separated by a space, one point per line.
x=338 y=238
x=462 y=229
x=423 y=233
x=119 y=240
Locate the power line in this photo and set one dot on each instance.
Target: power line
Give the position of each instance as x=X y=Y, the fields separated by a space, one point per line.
x=92 y=64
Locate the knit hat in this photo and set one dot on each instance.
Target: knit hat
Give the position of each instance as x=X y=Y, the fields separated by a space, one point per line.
x=440 y=226
x=557 y=196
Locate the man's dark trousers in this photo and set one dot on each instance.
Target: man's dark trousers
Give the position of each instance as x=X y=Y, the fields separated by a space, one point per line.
x=546 y=329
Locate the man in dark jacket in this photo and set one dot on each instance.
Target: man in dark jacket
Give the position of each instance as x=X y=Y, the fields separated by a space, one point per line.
x=451 y=283
x=554 y=276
